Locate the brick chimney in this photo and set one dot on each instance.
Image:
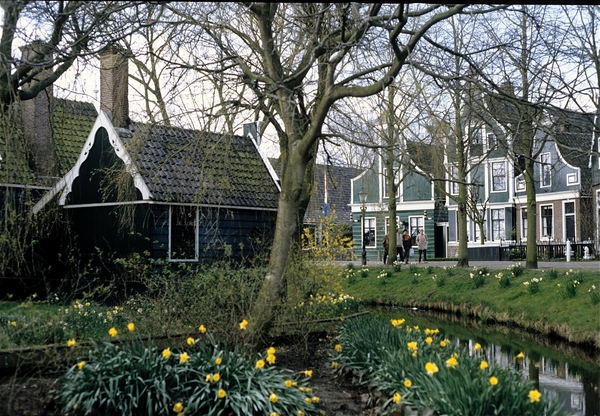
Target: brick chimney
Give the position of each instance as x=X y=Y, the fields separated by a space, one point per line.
x=114 y=83
x=36 y=113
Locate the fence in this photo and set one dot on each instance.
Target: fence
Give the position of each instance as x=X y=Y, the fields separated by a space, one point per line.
x=545 y=251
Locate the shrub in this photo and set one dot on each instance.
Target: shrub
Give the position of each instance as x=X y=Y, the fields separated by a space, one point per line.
x=516 y=270
x=478 y=276
x=133 y=379
x=409 y=367
x=594 y=295
x=568 y=289
x=503 y=279
x=439 y=280
x=533 y=286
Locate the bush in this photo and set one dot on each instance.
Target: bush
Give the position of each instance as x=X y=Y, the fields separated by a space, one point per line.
x=407 y=366
x=503 y=279
x=516 y=270
x=133 y=379
x=533 y=285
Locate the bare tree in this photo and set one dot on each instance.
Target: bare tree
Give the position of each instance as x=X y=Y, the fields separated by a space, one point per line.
x=300 y=59
x=60 y=33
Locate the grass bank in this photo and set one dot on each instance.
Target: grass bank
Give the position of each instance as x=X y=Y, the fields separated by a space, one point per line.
x=555 y=302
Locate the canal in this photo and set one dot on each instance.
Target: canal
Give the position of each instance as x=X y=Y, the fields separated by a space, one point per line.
x=559 y=369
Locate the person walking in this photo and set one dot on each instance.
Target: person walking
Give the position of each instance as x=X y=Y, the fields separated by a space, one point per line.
x=386 y=247
x=399 y=251
x=421 y=241
x=406 y=245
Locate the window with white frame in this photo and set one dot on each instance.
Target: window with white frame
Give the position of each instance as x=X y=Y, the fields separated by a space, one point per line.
x=476 y=230
x=385 y=183
x=498 y=227
x=415 y=225
x=546 y=221
x=520 y=183
x=369 y=232
x=523 y=222
x=498 y=176
x=569 y=221
x=454 y=178
x=572 y=179
x=184 y=235
x=387 y=225
x=545 y=170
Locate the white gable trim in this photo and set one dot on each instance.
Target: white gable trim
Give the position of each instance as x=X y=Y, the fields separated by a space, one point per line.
x=119 y=147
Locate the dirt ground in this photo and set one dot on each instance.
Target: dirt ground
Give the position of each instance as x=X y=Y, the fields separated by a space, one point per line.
x=33 y=396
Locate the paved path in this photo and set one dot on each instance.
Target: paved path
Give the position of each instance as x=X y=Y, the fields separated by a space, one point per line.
x=592 y=265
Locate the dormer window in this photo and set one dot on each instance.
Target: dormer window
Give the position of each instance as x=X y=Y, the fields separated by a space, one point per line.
x=545 y=170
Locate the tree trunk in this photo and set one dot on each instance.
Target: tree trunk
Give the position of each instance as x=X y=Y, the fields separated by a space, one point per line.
x=531 y=261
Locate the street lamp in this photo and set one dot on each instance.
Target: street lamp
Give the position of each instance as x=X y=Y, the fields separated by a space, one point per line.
x=362 y=196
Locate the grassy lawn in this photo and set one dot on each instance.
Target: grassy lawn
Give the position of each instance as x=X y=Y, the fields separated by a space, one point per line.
x=564 y=302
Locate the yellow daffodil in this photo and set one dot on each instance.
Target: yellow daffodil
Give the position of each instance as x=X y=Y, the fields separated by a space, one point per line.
x=451 y=362
x=334 y=364
x=209 y=378
x=477 y=346
x=308 y=400
x=81 y=364
x=191 y=341
x=338 y=348
x=483 y=365
x=288 y=383
x=218 y=360
x=113 y=332
x=183 y=357
x=221 y=394
x=202 y=329
x=271 y=358
x=428 y=340
x=308 y=373
x=397 y=398
x=13 y=323
x=412 y=346
x=534 y=396
x=243 y=324
x=520 y=355
x=260 y=364
x=273 y=398
x=274 y=414
x=431 y=368
x=131 y=327
x=300 y=413
x=407 y=383
x=216 y=377
x=315 y=399
x=166 y=353
x=71 y=342
x=416 y=328
x=493 y=380
x=178 y=407
x=414 y=354
x=271 y=351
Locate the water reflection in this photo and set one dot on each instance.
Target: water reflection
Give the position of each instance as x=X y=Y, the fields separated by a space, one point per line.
x=558 y=369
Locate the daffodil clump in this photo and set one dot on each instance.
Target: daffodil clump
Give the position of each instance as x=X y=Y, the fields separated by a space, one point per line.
x=200 y=378
x=594 y=293
x=416 y=367
x=330 y=305
x=478 y=276
x=533 y=285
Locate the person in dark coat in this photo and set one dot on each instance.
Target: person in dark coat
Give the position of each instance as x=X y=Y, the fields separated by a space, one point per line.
x=386 y=247
x=406 y=245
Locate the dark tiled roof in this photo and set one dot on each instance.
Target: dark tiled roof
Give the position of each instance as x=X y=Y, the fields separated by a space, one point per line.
x=190 y=166
x=338 y=191
x=14 y=166
x=573 y=133
x=72 y=121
